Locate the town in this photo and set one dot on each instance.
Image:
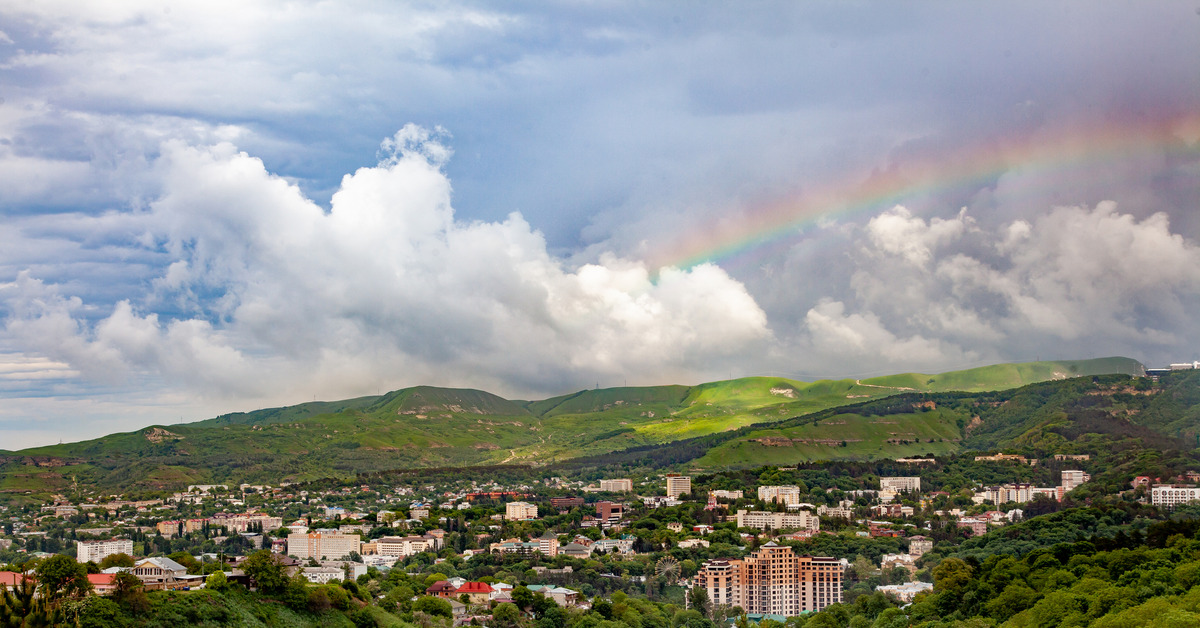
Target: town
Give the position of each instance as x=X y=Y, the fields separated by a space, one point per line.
x=764 y=546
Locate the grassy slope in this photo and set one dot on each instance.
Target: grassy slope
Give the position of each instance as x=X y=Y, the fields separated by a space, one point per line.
x=427 y=426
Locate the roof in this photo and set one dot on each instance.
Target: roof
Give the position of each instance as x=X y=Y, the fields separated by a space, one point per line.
x=164 y=563
x=440 y=585
x=474 y=587
x=11 y=578
x=101 y=579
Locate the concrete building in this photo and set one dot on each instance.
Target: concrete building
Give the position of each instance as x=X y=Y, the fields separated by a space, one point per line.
x=609 y=512
x=97 y=550
x=773 y=580
x=781 y=494
x=802 y=520
x=1169 y=495
x=905 y=592
x=400 y=546
x=728 y=495
x=1072 y=478
x=919 y=545
x=322 y=545
x=678 y=485
x=520 y=511
x=900 y=484
x=622 y=485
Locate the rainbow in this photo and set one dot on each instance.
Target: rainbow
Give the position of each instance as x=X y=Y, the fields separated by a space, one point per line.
x=772 y=227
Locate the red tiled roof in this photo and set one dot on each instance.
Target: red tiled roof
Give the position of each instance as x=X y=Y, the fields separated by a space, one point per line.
x=11 y=578
x=101 y=579
x=439 y=586
x=474 y=587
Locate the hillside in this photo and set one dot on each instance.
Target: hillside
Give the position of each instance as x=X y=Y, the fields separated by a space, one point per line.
x=427 y=426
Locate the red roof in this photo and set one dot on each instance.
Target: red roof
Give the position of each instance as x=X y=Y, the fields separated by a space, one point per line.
x=441 y=586
x=101 y=579
x=11 y=578
x=474 y=587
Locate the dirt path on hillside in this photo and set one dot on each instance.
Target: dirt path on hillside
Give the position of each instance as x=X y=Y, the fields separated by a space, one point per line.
x=858 y=382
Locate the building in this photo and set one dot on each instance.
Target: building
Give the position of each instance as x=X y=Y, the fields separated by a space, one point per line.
x=976 y=525
x=548 y=544
x=678 y=485
x=322 y=545
x=1072 y=457
x=162 y=573
x=520 y=511
x=919 y=545
x=728 y=495
x=899 y=484
x=323 y=575
x=778 y=520
x=905 y=592
x=1007 y=458
x=773 y=580
x=401 y=546
x=782 y=494
x=1018 y=493
x=1171 y=495
x=95 y=551
x=1073 y=478
x=617 y=486
x=609 y=512
x=566 y=503
x=476 y=592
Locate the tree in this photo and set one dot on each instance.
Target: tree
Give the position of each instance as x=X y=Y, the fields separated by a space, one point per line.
x=217 y=582
x=698 y=599
x=506 y=615
x=266 y=572
x=433 y=606
x=60 y=577
x=120 y=559
x=130 y=593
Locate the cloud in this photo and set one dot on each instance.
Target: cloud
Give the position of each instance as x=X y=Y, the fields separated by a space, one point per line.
x=265 y=294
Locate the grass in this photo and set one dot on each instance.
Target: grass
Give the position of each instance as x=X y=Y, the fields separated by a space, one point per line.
x=426 y=426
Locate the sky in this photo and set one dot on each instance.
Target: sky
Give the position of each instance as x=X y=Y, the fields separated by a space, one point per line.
x=216 y=206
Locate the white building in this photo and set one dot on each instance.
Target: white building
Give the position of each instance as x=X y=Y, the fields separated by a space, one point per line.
x=617 y=486
x=1073 y=478
x=520 y=511
x=783 y=494
x=900 y=484
x=722 y=494
x=905 y=592
x=97 y=550
x=802 y=520
x=1169 y=496
x=323 y=575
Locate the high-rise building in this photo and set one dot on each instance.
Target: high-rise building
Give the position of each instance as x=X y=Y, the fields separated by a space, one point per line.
x=323 y=545
x=1072 y=478
x=773 y=580
x=784 y=494
x=678 y=485
x=98 y=550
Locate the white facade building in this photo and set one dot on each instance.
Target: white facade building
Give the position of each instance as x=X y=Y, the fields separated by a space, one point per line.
x=778 y=520
x=520 y=511
x=617 y=486
x=97 y=550
x=1170 y=496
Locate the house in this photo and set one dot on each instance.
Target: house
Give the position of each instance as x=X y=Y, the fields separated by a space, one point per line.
x=560 y=595
x=689 y=543
x=441 y=589
x=575 y=550
x=323 y=575
x=476 y=592
x=162 y=573
x=103 y=583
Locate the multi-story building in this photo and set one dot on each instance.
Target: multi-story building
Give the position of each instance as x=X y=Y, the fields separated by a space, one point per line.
x=778 y=520
x=919 y=545
x=401 y=545
x=520 y=511
x=783 y=494
x=721 y=494
x=323 y=545
x=678 y=485
x=1072 y=478
x=617 y=486
x=1018 y=493
x=548 y=544
x=1172 y=495
x=609 y=512
x=566 y=503
x=773 y=580
x=96 y=551
x=900 y=484
x=242 y=523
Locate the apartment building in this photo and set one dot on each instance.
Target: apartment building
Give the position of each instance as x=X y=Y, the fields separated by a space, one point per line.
x=728 y=495
x=1072 y=478
x=773 y=580
x=323 y=545
x=789 y=495
x=802 y=520
x=520 y=511
x=678 y=485
x=98 y=550
x=401 y=545
x=617 y=486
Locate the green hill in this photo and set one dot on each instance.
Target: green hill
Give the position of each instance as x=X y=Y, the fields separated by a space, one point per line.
x=427 y=426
